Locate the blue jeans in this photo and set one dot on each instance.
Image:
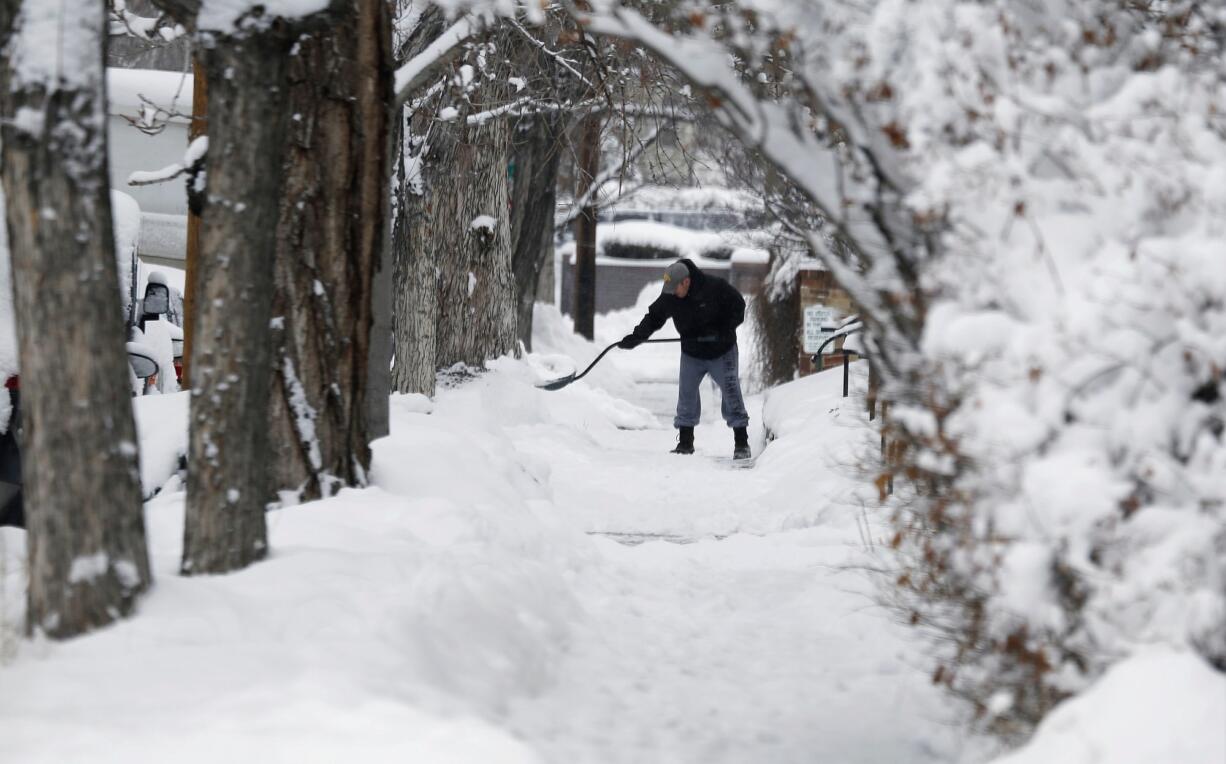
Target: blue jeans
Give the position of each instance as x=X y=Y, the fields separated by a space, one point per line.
x=724 y=370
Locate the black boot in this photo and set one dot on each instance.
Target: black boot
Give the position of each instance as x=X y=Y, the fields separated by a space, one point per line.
x=740 y=443
x=685 y=441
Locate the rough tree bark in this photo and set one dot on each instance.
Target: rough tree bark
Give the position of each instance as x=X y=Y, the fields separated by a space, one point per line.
x=414 y=273
x=329 y=241
x=452 y=239
x=87 y=554
x=476 y=286
x=227 y=486
x=415 y=280
x=585 y=228
x=536 y=153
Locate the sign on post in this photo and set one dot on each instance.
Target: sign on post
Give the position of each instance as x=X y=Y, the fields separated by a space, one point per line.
x=819 y=325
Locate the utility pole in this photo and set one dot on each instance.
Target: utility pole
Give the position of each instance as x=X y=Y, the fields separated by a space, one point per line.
x=197 y=128
x=585 y=228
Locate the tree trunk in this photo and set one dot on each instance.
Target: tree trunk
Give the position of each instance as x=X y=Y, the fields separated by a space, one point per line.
x=230 y=463
x=585 y=228
x=87 y=555
x=536 y=153
x=415 y=311
x=476 y=286
x=454 y=299
x=329 y=238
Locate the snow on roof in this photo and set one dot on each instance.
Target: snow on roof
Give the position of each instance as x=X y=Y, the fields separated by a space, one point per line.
x=649 y=233
x=751 y=256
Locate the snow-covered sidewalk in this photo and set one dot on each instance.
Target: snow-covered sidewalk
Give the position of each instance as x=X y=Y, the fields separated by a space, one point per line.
x=728 y=623
x=530 y=578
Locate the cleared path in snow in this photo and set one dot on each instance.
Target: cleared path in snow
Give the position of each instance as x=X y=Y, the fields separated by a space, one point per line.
x=719 y=635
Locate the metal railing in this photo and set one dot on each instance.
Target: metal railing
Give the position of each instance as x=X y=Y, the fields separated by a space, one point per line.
x=847 y=327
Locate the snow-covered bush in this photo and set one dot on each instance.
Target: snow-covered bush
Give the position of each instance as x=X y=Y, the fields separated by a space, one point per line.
x=1066 y=462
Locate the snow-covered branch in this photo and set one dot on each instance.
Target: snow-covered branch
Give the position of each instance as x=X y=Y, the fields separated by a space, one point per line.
x=421 y=68
x=193 y=160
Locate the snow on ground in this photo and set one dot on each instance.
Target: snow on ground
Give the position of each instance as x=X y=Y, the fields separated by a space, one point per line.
x=1160 y=705
x=161 y=426
x=530 y=578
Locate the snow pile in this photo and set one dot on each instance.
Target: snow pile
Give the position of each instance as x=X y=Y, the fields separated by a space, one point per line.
x=1157 y=706
x=815 y=440
x=389 y=623
x=511 y=397
x=558 y=351
x=161 y=428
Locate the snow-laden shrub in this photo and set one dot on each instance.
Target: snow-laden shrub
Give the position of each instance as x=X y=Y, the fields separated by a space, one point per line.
x=1067 y=494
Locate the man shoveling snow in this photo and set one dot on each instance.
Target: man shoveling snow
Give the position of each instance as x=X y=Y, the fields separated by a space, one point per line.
x=706 y=311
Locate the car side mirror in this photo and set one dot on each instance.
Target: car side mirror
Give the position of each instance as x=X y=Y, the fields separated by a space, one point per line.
x=157 y=300
x=141 y=360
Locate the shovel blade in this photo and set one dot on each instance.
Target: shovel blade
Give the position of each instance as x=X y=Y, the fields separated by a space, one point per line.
x=558 y=384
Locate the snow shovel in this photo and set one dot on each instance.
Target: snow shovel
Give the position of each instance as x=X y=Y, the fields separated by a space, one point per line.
x=562 y=382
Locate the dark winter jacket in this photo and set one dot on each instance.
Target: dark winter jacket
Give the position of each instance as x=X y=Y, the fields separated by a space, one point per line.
x=706 y=318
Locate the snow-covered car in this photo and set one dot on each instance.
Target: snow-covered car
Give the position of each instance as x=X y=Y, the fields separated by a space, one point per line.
x=150 y=306
x=152 y=309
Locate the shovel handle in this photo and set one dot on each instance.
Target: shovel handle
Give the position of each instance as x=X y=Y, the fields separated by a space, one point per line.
x=558 y=384
x=605 y=352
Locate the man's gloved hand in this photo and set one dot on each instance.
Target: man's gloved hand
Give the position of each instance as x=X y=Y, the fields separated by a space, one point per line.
x=629 y=342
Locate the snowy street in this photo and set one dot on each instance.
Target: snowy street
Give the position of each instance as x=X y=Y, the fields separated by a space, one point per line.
x=532 y=577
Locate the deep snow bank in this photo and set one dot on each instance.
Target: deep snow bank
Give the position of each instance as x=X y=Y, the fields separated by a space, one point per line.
x=816 y=440
x=1159 y=705
x=389 y=623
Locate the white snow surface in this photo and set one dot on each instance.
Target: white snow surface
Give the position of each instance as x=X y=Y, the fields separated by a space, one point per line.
x=1159 y=705
x=530 y=578
x=683 y=241
x=161 y=426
